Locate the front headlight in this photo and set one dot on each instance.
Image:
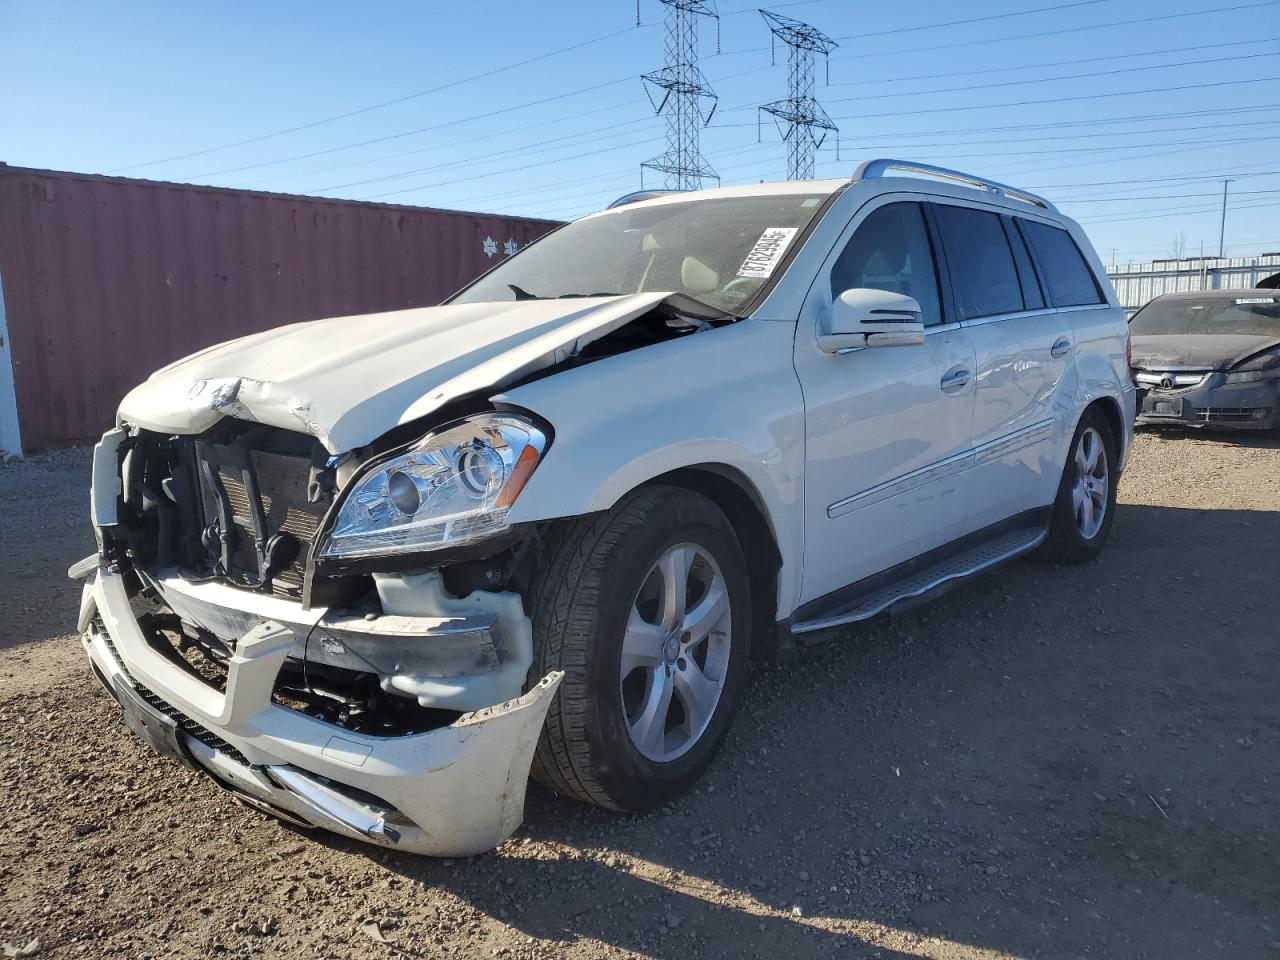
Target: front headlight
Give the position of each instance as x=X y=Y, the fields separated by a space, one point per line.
x=453 y=487
x=1245 y=376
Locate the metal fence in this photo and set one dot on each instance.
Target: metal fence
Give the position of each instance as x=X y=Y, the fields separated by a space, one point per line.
x=1138 y=283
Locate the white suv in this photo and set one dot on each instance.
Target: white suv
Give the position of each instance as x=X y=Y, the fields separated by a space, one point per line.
x=367 y=571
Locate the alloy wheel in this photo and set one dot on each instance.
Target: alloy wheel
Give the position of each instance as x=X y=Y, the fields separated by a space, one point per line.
x=675 y=652
x=1089 y=492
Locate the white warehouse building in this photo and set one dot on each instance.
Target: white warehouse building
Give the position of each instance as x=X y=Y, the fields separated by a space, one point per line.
x=1137 y=283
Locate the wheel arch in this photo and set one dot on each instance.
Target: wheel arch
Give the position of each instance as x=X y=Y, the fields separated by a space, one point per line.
x=744 y=507
x=1110 y=409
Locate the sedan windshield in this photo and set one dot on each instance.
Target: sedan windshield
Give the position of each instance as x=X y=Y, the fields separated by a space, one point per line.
x=720 y=252
x=1246 y=315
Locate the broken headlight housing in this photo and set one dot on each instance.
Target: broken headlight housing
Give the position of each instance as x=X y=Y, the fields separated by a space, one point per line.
x=452 y=487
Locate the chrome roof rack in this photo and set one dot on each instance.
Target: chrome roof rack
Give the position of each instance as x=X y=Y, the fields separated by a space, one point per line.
x=639 y=195
x=870 y=169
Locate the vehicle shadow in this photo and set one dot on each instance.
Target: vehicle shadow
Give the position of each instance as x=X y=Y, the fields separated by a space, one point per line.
x=1047 y=761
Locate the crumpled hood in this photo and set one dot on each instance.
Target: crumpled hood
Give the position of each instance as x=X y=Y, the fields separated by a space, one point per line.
x=348 y=380
x=1206 y=351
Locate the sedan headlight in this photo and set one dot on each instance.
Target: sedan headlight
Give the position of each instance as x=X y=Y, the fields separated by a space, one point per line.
x=453 y=487
x=1245 y=376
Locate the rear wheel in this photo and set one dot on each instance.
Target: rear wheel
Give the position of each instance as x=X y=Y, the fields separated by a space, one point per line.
x=646 y=609
x=1086 y=503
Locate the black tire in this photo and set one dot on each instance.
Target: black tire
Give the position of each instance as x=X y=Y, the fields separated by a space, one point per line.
x=580 y=603
x=1067 y=543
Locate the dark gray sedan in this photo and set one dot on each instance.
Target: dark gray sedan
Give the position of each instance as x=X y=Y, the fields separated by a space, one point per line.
x=1209 y=358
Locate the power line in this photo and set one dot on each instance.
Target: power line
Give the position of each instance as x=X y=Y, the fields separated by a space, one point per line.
x=524 y=149
x=878 y=142
x=1095 y=121
x=1055 y=63
x=412 y=133
x=1029 y=103
x=1051 y=33
x=968 y=20
x=1065 y=76
x=506 y=132
x=378 y=106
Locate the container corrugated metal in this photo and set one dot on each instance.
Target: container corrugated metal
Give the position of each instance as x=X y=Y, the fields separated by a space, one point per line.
x=1138 y=283
x=106 y=279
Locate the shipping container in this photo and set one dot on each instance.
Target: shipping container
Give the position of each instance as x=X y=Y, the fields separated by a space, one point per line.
x=105 y=279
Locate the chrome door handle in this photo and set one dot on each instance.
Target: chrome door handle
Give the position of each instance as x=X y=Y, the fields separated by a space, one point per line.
x=1061 y=347
x=955 y=379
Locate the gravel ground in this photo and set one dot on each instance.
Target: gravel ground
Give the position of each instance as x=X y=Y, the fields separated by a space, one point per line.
x=1047 y=762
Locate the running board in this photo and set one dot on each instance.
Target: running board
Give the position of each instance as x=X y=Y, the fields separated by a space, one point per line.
x=988 y=554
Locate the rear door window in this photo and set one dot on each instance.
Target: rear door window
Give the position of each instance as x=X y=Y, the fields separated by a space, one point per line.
x=983 y=276
x=1071 y=283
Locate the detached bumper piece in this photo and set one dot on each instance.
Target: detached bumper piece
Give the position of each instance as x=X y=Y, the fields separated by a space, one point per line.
x=454 y=790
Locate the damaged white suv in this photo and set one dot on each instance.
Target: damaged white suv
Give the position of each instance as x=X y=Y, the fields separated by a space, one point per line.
x=366 y=572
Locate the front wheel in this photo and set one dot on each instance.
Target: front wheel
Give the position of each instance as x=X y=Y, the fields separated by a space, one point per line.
x=1085 y=507
x=646 y=609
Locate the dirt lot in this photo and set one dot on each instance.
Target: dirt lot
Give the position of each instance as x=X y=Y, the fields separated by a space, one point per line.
x=1047 y=762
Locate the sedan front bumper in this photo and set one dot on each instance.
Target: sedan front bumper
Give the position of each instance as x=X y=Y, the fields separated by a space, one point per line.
x=455 y=790
x=1245 y=406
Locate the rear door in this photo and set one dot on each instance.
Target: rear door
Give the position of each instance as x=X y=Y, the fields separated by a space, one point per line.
x=886 y=428
x=1023 y=376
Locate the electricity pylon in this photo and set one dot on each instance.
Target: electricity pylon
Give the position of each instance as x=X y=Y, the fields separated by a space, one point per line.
x=680 y=91
x=806 y=123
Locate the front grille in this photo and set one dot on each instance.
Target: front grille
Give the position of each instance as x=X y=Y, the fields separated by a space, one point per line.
x=1155 y=379
x=188 y=726
x=282 y=482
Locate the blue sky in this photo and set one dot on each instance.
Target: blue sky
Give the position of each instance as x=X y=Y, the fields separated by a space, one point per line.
x=1175 y=100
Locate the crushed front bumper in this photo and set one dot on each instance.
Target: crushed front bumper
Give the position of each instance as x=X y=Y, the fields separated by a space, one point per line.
x=453 y=791
x=1214 y=403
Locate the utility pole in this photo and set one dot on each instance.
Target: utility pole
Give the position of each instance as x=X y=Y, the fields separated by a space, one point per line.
x=681 y=92
x=1222 y=229
x=806 y=123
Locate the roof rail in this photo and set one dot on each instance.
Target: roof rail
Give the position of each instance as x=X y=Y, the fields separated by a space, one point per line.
x=639 y=195
x=877 y=168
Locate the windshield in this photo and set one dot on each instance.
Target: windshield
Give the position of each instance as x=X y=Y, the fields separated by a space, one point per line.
x=721 y=252
x=1247 y=315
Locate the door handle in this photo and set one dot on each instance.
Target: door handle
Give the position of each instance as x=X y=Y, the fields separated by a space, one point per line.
x=1061 y=347
x=954 y=379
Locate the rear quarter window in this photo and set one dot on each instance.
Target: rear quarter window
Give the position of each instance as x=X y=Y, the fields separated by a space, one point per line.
x=1070 y=281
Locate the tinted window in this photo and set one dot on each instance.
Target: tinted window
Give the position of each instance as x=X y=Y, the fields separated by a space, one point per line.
x=1068 y=277
x=890 y=251
x=1031 y=293
x=981 y=264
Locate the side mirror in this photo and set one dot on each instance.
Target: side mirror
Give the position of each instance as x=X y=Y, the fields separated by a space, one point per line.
x=872 y=318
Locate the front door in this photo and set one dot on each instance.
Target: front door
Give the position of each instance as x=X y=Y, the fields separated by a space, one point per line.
x=887 y=429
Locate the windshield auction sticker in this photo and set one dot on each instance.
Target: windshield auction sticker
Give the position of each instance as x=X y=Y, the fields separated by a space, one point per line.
x=764 y=256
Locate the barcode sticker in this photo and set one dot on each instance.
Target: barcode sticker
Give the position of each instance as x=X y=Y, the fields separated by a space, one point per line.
x=764 y=256
x=1256 y=300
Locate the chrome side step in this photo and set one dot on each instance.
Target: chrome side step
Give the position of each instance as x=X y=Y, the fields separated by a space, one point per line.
x=974 y=560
